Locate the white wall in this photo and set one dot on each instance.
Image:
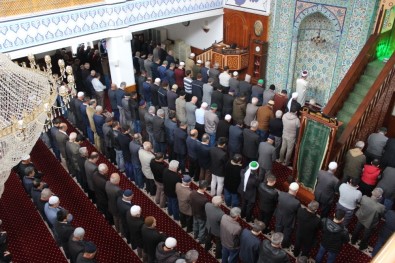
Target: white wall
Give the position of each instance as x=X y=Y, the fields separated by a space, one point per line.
x=194 y=34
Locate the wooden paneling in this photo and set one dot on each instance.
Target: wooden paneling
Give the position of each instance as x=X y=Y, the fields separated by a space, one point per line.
x=239 y=29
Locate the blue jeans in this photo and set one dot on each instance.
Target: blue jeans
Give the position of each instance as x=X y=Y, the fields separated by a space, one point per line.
x=212 y=139
x=129 y=170
x=263 y=134
x=90 y=135
x=119 y=159
x=388 y=203
x=199 y=226
x=172 y=207
x=116 y=114
x=138 y=176
x=231 y=199
x=331 y=256
x=136 y=126
x=229 y=255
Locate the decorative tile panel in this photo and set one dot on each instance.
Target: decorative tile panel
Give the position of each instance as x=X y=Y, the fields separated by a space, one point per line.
x=22 y=33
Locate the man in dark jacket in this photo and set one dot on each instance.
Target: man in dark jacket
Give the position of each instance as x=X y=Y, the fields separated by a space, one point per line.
x=203 y=152
x=270 y=250
x=180 y=145
x=386 y=232
x=228 y=100
x=334 y=235
x=158 y=166
x=197 y=89
x=308 y=224
x=218 y=157
x=198 y=204
x=325 y=188
x=76 y=244
x=99 y=179
x=166 y=251
x=154 y=92
x=135 y=222
x=158 y=126
x=123 y=139
x=232 y=180
x=134 y=147
x=235 y=143
x=251 y=142
x=247 y=189
x=63 y=230
x=218 y=97
x=170 y=179
x=152 y=237
x=387 y=183
x=113 y=192
x=250 y=243
x=170 y=126
x=276 y=129
x=223 y=127
x=286 y=211
x=192 y=147
x=124 y=203
x=268 y=198
x=389 y=152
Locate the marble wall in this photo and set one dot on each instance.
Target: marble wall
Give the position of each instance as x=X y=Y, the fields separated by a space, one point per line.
x=350 y=24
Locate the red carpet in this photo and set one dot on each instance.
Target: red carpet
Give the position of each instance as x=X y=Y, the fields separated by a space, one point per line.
x=29 y=238
x=111 y=247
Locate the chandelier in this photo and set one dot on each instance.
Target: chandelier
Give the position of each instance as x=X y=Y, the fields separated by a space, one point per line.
x=27 y=98
x=317 y=40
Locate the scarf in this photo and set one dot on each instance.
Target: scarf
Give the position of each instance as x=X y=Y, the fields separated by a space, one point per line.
x=289 y=104
x=246 y=177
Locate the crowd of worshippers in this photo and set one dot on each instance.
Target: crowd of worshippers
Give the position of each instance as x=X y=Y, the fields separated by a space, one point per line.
x=225 y=134
x=122 y=212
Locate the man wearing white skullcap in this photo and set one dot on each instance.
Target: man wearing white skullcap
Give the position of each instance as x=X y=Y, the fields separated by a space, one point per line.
x=166 y=251
x=51 y=209
x=189 y=62
x=135 y=222
x=301 y=87
x=286 y=211
x=325 y=188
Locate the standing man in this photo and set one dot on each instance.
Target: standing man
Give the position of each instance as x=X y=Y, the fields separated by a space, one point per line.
x=269 y=94
x=234 y=83
x=157 y=167
x=334 y=235
x=198 y=204
x=257 y=91
x=286 y=211
x=170 y=179
x=276 y=129
x=387 y=183
x=207 y=91
x=204 y=158
x=211 y=122
x=224 y=79
x=181 y=112
x=291 y=124
x=350 y=196
x=183 y=192
x=247 y=189
x=235 y=144
x=230 y=231
x=251 y=110
x=190 y=108
x=250 y=242
x=204 y=71
x=218 y=158
x=113 y=192
x=99 y=89
x=301 y=87
x=134 y=147
x=197 y=88
x=280 y=101
x=268 y=198
x=270 y=250
x=325 y=188
x=189 y=62
x=266 y=156
x=179 y=74
x=180 y=145
x=214 y=215
x=376 y=144
x=251 y=142
x=193 y=147
x=61 y=138
x=158 y=127
x=354 y=162
x=308 y=224
x=245 y=87
x=214 y=73
x=145 y=156
x=263 y=115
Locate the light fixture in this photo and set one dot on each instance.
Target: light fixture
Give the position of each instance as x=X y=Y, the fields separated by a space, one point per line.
x=318 y=39
x=206 y=28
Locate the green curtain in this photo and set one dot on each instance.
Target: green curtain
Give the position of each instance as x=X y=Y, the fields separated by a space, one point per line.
x=312 y=152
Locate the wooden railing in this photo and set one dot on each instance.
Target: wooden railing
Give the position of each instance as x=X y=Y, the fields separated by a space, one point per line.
x=20 y=7
x=362 y=117
x=205 y=56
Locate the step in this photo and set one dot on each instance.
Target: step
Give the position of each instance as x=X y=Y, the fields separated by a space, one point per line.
x=344 y=116
x=350 y=107
x=367 y=80
x=355 y=98
x=374 y=68
x=361 y=89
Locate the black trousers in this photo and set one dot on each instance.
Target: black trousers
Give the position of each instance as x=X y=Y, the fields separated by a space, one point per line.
x=246 y=209
x=303 y=243
x=186 y=221
x=150 y=186
x=218 y=245
x=194 y=169
x=266 y=217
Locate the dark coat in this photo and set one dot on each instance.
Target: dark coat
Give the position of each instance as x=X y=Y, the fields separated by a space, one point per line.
x=270 y=254
x=307 y=226
x=99 y=187
x=123 y=208
x=227 y=104
x=134 y=148
x=63 y=232
x=223 y=129
x=154 y=94
x=162 y=97
x=113 y=192
x=218 y=159
x=135 y=224
x=192 y=147
x=61 y=140
x=169 y=256
x=235 y=142
x=197 y=90
x=287 y=208
x=276 y=127
x=75 y=248
x=249 y=247
x=389 y=152
x=124 y=140
x=198 y=204
x=170 y=126
x=151 y=238
x=180 y=137
x=268 y=197
x=218 y=97
x=252 y=184
x=170 y=179
x=326 y=186
x=214 y=215
x=333 y=235
x=232 y=177
x=203 y=151
x=158 y=125
x=251 y=142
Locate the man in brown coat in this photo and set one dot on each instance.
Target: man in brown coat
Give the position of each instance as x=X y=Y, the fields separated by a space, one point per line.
x=239 y=108
x=263 y=116
x=183 y=192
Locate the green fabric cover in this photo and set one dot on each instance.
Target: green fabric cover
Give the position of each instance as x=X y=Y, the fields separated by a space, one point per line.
x=312 y=152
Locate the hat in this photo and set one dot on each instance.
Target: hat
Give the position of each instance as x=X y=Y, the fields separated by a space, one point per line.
x=135 y=210
x=228 y=117
x=199 y=61
x=171 y=242
x=295 y=95
x=186 y=179
x=214 y=106
x=79 y=232
x=304 y=73
x=157 y=80
x=80 y=94
x=254 y=165
x=271 y=137
x=192 y=55
x=127 y=193
x=182 y=63
x=260 y=81
x=53 y=200
x=294 y=186
x=142 y=102
x=90 y=247
x=332 y=166
x=235 y=73
x=271 y=102
x=25 y=157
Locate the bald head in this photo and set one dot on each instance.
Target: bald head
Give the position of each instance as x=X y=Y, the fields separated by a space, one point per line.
x=115 y=178
x=194 y=133
x=194 y=99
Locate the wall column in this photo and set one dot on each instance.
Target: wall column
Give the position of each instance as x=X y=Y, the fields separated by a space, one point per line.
x=120 y=60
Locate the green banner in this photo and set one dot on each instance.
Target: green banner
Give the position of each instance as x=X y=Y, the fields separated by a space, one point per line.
x=312 y=152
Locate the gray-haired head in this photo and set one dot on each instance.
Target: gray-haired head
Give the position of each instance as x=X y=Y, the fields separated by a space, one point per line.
x=102 y=167
x=99 y=109
x=46 y=193
x=216 y=200
x=173 y=165
x=258 y=226
x=151 y=109
x=279 y=113
x=277 y=238
x=160 y=113
x=235 y=212
x=313 y=206
x=254 y=125
x=122 y=85
x=79 y=232
x=191 y=256
x=360 y=145
x=83 y=151
x=377 y=192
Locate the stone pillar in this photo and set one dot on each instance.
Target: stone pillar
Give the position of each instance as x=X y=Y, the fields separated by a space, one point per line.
x=120 y=60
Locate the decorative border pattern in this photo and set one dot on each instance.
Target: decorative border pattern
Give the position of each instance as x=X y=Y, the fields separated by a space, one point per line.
x=22 y=33
x=259 y=6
